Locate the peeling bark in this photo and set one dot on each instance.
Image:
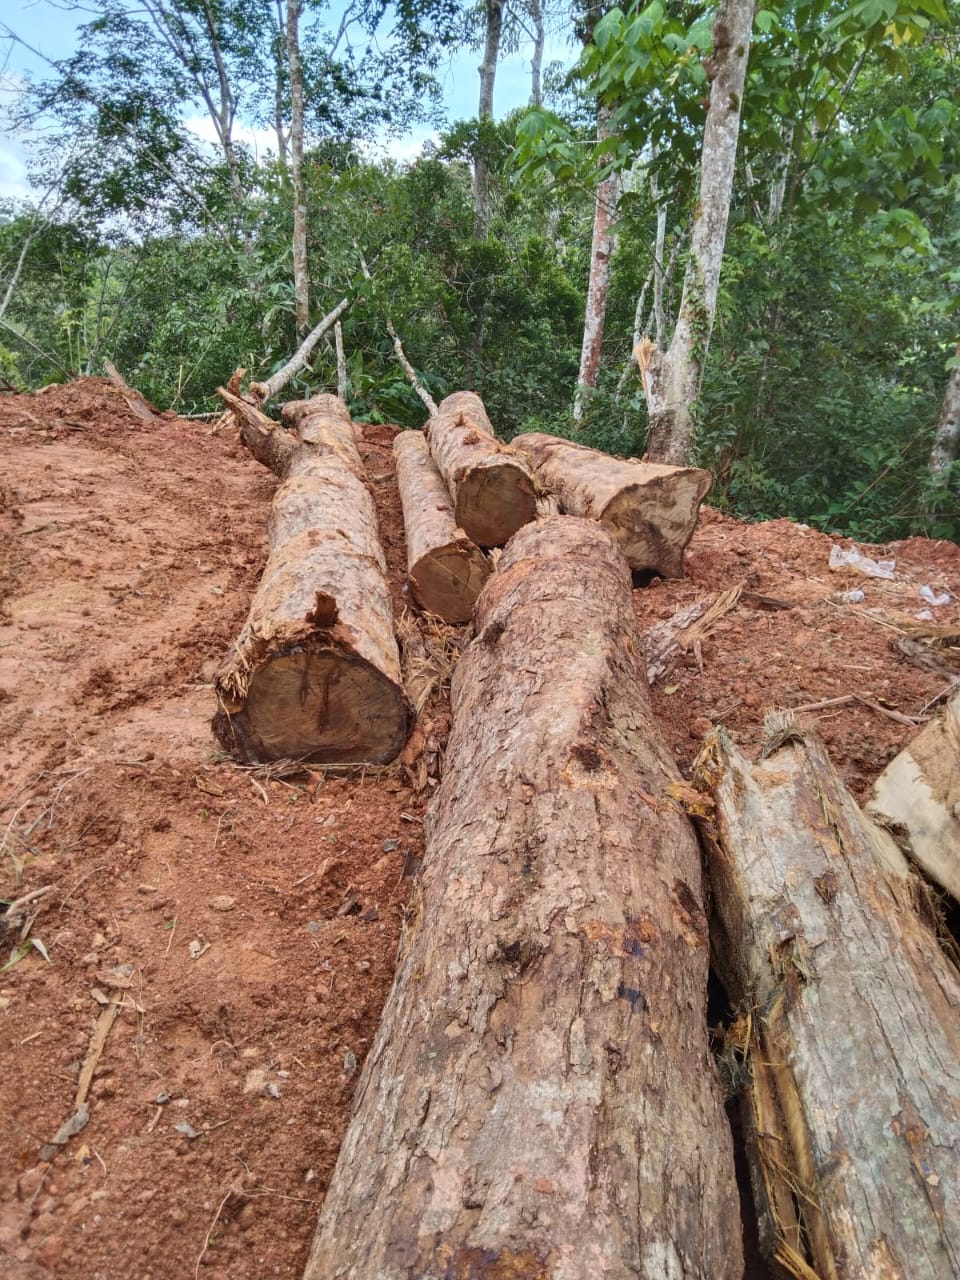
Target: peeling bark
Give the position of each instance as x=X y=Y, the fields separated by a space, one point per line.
x=445 y=569
x=540 y=1100
x=315 y=672
x=849 y=1028
x=650 y=510
x=491 y=484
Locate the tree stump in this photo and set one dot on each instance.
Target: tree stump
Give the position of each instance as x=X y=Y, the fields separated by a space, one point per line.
x=540 y=1099
x=446 y=570
x=315 y=672
x=651 y=510
x=491 y=484
x=850 y=1026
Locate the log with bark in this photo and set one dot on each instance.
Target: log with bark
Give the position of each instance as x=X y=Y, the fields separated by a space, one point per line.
x=492 y=485
x=651 y=510
x=446 y=570
x=315 y=672
x=917 y=799
x=540 y=1099
x=850 y=1020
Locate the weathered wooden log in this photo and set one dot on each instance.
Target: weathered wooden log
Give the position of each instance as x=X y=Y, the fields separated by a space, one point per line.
x=850 y=1021
x=446 y=570
x=540 y=1099
x=651 y=510
x=492 y=485
x=917 y=799
x=315 y=672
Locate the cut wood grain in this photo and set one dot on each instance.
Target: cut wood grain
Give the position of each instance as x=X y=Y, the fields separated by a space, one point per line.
x=651 y=510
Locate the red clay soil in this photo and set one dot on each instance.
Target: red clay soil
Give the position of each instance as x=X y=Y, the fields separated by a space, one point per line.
x=246 y=925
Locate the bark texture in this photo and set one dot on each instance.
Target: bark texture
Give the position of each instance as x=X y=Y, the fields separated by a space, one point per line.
x=602 y=249
x=651 y=510
x=315 y=672
x=445 y=569
x=850 y=1027
x=540 y=1101
x=946 y=440
x=917 y=799
x=676 y=376
x=493 y=30
x=301 y=278
x=491 y=484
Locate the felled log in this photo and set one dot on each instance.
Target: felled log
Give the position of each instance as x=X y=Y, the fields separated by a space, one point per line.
x=446 y=570
x=540 y=1099
x=491 y=484
x=917 y=799
x=315 y=672
x=651 y=510
x=850 y=1026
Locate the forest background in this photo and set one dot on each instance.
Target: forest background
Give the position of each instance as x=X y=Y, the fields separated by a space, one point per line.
x=826 y=381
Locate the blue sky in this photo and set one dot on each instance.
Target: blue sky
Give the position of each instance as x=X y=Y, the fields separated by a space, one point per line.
x=52 y=29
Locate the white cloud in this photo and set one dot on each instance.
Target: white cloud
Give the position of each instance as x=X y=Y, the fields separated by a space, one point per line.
x=261 y=141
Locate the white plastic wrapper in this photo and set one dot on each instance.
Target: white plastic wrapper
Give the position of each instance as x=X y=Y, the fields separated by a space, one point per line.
x=856 y=560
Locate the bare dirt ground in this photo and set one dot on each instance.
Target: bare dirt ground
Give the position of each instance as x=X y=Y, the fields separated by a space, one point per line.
x=233 y=935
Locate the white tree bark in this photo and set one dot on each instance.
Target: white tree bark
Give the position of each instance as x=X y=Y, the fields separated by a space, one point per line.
x=301 y=279
x=675 y=376
x=601 y=252
x=535 y=8
x=946 y=440
x=493 y=10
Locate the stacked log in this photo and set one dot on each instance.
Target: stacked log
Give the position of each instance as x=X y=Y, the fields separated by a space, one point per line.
x=917 y=799
x=540 y=1099
x=446 y=569
x=315 y=672
x=650 y=510
x=492 y=485
x=850 y=1021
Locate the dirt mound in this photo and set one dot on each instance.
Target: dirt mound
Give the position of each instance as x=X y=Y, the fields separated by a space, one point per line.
x=246 y=925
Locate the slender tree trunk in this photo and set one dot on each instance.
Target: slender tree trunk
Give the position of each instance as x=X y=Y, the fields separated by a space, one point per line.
x=279 y=43
x=536 y=61
x=488 y=75
x=227 y=110
x=946 y=440
x=601 y=252
x=676 y=376
x=540 y=1100
x=301 y=279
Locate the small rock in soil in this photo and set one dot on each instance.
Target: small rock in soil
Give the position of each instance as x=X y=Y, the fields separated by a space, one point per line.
x=222 y=902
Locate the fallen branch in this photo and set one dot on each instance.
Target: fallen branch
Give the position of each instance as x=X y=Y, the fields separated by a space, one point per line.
x=263 y=391
x=411 y=373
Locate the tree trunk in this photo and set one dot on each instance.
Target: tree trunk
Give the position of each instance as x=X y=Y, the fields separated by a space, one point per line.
x=650 y=510
x=301 y=277
x=598 y=286
x=946 y=441
x=493 y=11
x=491 y=484
x=535 y=9
x=849 y=1022
x=676 y=377
x=540 y=1099
x=315 y=672
x=446 y=570
x=917 y=799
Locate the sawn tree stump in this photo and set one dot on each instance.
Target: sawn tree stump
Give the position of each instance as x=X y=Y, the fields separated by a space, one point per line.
x=540 y=1101
x=315 y=672
x=445 y=568
x=651 y=510
x=850 y=1026
x=492 y=485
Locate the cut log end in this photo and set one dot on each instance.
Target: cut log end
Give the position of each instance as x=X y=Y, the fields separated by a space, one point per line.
x=315 y=702
x=494 y=501
x=448 y=581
